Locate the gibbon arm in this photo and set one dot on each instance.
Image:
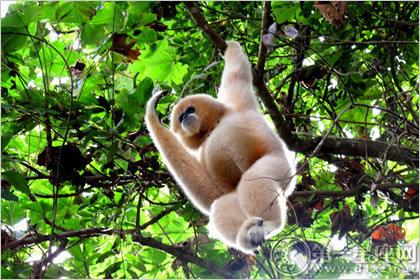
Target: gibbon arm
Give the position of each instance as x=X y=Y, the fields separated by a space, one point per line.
x=236 y=86
x=187 y=170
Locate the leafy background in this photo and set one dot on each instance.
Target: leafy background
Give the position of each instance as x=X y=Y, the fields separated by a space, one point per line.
x=84 y=191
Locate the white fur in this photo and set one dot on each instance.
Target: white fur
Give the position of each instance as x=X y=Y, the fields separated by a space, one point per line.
x=240 y=174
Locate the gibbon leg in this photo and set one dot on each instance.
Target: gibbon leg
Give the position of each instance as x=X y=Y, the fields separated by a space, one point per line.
x=261 y=194
x=236 y=86
x=226 y=218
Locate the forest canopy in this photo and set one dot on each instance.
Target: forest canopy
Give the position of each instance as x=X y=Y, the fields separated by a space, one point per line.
x=85 y=194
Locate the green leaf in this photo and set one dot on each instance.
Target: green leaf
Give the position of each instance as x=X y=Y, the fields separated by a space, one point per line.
x=138 y=7
x=75 y=11
x=7 y=274
x=135 y=262
x=149 y=35
x=112 y=150
x=7 y=195
x=156 y=256
x=12 y=20
x=284 y=10
x=357 y=78
x=143 y=91
x=92 y=34
x=17 y=180
x=10 y=42
x=110 y=15
x=148 y=18
x=161 y=65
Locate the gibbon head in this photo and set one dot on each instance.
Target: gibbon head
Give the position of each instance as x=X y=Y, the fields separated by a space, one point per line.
x=194 y=117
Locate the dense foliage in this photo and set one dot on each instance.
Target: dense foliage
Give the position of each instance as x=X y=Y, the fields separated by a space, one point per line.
x=84 y=191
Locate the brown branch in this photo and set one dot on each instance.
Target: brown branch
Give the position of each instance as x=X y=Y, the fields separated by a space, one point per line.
x=265 y=94
x=185 y=256
x=356 y=147
x=40 y=267
x=159 y=216
x=347 y=193
x=405 y=204
x=368 y=42
x=32 y=238
x=201 y=22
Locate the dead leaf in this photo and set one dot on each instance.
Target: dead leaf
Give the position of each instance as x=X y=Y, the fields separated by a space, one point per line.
x=319 y=205
x=157 y=26
x=310 y=74
x=333 y=11
x=341 y=221
x=374 y=199
x=120 y=46
x=67 y=157
x=301 y=216
x=387 y=235
x=410 y=193
x=311 y=249
x=77 y=68
x=241 y=262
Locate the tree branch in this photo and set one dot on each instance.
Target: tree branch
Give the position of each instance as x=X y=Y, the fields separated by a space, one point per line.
x=185 y=256
x=278 y=120
x=262 y=52
x=356 y=147
x=32 y=238
x=347 y=193
x=201 y=22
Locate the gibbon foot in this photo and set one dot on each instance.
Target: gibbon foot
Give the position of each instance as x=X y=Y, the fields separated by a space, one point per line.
x=252 y=234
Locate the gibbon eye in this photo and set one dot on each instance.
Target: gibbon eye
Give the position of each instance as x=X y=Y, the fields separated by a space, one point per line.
x=190 y=110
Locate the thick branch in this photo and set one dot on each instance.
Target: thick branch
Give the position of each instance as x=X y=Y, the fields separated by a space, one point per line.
x=273 y=111
x=356 y=147
x=352 y=192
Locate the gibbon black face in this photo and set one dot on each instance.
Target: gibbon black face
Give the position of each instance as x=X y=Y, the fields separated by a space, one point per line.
x=186 y=116
x=189 y=120
x=194 y=117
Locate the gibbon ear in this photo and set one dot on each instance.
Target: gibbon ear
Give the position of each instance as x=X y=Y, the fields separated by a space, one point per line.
x=159 y=95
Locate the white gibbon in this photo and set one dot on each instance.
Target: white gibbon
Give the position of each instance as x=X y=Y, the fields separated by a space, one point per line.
x=241 y=175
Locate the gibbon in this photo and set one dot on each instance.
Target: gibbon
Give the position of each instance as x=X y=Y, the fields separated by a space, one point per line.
x=240 y=174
